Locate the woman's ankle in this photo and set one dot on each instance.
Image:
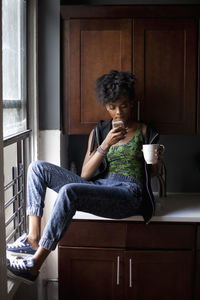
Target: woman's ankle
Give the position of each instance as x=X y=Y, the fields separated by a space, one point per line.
x=34 y=242
x=34 y=270
x=39 y=257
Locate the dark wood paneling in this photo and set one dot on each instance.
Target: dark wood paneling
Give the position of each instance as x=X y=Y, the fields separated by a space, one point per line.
x=198 y=89
x=90 y=274
x=164 y=57
x=197 y=276
x=129 y=11
x=95 y=47
x=95 y=234
x=163 y=236
x=160 y=275
x=165 y=65
x=131 y=235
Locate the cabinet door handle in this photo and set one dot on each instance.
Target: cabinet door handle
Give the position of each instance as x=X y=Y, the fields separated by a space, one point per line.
x=118 y=263
x=130 y=273
x=138 y=111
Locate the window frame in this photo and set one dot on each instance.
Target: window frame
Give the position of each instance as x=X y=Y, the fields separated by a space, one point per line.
x=20 y=101
x=8 y=287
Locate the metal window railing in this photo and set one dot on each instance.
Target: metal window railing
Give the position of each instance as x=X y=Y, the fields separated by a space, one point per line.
x=16 y=204
x=12 y=104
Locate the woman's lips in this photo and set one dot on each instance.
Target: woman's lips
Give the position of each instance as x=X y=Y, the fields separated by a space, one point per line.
x=119 y=119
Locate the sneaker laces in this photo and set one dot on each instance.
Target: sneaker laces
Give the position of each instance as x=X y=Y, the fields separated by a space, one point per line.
x=18 y=243
x=20 y=264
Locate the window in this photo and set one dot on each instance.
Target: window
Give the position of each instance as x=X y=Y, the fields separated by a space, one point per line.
x=14 y=66
x=15 y=172
x=16 y=135
x=19 y=144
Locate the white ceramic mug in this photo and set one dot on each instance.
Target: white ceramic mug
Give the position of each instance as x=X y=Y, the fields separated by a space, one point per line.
x=150 y=154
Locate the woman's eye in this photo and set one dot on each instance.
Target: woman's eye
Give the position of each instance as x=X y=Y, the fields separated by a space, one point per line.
x=111 y=107
x=124 y=106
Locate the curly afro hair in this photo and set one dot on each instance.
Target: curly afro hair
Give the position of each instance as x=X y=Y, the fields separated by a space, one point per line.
x=110 y=87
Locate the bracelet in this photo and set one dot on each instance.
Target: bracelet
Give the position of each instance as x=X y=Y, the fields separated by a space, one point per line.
x=101 y=151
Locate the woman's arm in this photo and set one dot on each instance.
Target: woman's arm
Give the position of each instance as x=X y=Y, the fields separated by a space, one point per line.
x=92 y=161
x=90 y=166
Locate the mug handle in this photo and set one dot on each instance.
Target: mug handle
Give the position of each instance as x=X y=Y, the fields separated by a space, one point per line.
x=163 y=147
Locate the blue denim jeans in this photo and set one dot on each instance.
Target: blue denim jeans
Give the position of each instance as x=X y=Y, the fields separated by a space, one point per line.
x=116 y=196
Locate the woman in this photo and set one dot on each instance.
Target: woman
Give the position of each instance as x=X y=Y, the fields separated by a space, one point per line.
x=114 y=182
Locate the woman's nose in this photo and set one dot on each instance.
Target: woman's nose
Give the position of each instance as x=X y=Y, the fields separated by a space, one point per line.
x=118 y=111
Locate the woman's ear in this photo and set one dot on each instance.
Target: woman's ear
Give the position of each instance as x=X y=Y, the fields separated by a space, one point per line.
x=106 y=107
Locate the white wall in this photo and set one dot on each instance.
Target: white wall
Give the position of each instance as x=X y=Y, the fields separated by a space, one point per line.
x=49 y=150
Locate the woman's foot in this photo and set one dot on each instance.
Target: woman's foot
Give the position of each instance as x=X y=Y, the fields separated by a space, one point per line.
x=22 y=269
x=21 y=247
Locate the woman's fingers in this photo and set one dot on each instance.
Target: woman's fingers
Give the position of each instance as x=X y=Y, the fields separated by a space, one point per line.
x=159 y=153
x=115 y=135
x=119 y=134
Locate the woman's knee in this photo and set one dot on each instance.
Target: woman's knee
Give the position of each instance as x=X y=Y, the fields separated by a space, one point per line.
x=67 y=197
x=36 y=166
x=69 y=191
x=68 y=188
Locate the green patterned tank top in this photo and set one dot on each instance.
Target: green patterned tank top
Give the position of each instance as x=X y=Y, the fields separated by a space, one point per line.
x=128 y=159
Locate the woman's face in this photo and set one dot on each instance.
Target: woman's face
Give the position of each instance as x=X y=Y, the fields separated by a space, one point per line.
x=120 y=110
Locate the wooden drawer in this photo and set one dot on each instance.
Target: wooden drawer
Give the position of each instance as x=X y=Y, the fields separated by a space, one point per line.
x=197 y=277
x=161 y=235
x=95 y=233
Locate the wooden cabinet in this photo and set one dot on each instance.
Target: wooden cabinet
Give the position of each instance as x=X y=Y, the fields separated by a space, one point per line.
x=90 y=274
x=165 y=61
x=159 y=275
x=95 y=264
x=91 y=49
x=114 y=274
x=197 y=277
x=91 y=261
x=197 y=281
x=160 y=46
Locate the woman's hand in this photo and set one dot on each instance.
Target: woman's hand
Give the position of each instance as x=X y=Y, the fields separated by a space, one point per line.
x=159 y=153
x=94 y=159
x=113 y=137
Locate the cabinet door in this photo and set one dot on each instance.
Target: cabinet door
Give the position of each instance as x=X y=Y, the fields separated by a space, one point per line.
x=197 y=277
x=91 y=49
x=156 y=275
x=90 y=274
x=165 y=63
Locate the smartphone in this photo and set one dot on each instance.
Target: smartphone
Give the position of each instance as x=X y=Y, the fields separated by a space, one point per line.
x=118 y=124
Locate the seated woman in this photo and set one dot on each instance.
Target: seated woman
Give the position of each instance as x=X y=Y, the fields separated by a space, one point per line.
x=114 y=182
